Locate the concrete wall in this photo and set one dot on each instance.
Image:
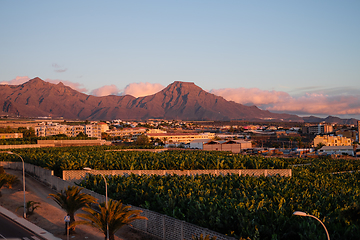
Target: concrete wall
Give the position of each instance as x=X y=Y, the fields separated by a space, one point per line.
x=78 y=175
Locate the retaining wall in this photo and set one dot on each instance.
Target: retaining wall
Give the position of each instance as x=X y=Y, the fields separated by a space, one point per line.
x=160 y=225
x=26 y=146
x=78 y=175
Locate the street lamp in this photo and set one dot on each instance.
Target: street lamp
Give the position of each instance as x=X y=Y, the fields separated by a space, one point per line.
x=106 y=200
x=302 y=214
x=23 y=166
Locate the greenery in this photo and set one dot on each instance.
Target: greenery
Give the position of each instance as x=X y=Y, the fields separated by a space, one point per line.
x=102 y=158
x=71 y=200
x=250 y=207
x=30 y=207
x=115 y=217
x=8 y=179
x=240 y=206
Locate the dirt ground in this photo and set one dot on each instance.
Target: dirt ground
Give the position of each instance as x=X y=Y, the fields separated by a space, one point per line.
x=50 y=216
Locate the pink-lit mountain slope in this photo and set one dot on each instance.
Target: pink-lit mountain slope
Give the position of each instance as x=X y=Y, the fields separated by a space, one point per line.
x=179 y=100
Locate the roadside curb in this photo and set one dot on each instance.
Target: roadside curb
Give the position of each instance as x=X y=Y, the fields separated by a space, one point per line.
x=29 y=225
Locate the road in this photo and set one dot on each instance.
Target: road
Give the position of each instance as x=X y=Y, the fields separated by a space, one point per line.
x=12 y=230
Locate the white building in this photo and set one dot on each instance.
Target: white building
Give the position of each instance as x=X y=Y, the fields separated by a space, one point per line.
x=199 y=143
x=329 y=150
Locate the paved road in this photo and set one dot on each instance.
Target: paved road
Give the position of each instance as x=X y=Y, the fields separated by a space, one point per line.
x=11 y=230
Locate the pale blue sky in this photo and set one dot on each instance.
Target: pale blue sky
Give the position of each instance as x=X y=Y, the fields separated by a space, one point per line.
x=293 y=46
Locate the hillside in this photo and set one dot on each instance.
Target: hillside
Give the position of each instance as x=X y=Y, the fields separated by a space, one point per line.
x=179 y=100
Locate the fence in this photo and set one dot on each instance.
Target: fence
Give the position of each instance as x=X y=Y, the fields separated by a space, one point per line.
x=159 y=225
x=78 y=175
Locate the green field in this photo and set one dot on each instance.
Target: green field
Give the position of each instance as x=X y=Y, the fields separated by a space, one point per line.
x=240 y=206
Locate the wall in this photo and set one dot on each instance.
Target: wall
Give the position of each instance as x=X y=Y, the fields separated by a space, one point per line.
x=64 y=143
x=162 y=226
x=26 y=146
x=78 y=175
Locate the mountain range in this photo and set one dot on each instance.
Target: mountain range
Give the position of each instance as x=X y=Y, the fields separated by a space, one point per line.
x=179 y=100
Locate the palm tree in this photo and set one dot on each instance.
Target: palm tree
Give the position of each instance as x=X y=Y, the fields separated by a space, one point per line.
x=355 y=144
x=116 y=216
x=71 y=200
x=291 y=140
x=30 y=207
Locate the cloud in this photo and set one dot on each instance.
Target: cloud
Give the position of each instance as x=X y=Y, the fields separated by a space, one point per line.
x=320 y=104
x=105 y=91
x=250 y=96
x=58 y=68
x=76 y=86
x=142 y=89
x=316 y=102
x=16 y=81
x=20 y=80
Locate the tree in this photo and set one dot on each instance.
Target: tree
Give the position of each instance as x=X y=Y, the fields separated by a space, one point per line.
x=2 y=182
x=117 y=215
x=30 y=207
x=291 y=140
x=71 y=200
x=105 y=136
x=320 y=145
x=352 y=214
x=142 y=140
x=82 y=135
x=299 y=140
x=355 y=144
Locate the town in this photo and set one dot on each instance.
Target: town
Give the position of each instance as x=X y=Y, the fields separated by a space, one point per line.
x=269 y=139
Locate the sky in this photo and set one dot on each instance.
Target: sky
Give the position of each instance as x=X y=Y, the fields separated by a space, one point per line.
x=298 y=57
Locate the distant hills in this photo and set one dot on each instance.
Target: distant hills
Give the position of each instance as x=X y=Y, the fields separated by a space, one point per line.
x=179 y=100
x=331 y=120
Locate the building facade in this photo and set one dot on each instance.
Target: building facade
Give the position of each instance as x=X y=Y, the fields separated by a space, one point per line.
x=180 y=137
x=10 y=135
x=235 y=146
x=317 y=129
x=332 y=141
x=51 y=129
x=130 y=133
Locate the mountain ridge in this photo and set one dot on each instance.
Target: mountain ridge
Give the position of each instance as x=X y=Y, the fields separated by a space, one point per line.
x=179 y=100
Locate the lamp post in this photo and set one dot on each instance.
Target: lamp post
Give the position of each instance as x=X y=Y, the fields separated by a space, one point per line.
x=302 y=214
x=23 y=167
x=106 y=200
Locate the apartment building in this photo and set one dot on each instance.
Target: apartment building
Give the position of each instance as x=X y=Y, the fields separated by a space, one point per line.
x=51 y=129
x=10 y=135
x=180 y=137
x=317 y=129
x=332 y=141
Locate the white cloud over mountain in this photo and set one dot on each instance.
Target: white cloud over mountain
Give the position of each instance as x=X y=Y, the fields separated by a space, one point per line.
x=105 y=91
x=142 y=89
x=20 y=80
x=314 y=103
